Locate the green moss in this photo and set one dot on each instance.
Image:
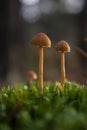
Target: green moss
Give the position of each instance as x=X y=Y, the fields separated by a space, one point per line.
x=55 y=109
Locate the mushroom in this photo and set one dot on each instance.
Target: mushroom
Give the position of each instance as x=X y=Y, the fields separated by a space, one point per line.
x=62 y=47
x=31 y=75
x=41 y=40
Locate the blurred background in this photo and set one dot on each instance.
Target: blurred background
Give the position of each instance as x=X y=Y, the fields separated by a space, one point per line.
x=20 y=20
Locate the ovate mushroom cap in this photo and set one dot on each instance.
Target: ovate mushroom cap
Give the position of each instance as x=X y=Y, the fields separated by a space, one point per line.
x=62 y=46
x=42 y=40
x=31 y=75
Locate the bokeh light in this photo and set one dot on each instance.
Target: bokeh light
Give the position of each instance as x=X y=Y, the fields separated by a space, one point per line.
x=30 y=13
x=74 y=6
x=29 y=2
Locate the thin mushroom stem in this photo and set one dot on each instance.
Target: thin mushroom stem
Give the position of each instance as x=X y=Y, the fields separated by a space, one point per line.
x=30 y=83
x=41 y=69
x=62 y=69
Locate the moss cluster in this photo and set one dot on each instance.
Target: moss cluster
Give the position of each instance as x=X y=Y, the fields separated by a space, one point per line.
x=22 y=108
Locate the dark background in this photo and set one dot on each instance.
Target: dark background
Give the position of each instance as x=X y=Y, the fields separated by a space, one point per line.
x=20 y=20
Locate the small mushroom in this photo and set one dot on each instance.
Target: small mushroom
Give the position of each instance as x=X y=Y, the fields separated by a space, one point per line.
x=62 y=47
x=41 y=40
x=31 y=76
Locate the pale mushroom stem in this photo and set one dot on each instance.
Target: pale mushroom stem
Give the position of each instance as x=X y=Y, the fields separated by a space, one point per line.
x=30 y=82
x=41 y=69
x=62 y=69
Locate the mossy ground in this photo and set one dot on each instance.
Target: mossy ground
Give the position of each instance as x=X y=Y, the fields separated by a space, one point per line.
x=22 y=108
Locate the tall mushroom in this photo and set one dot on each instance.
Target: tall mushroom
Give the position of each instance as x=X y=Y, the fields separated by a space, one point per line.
x=62 y=47
x=41 y=40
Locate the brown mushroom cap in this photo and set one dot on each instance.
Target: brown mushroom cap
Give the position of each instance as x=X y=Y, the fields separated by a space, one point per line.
x=62 y=46
x=31 y=75
x=42 y=40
